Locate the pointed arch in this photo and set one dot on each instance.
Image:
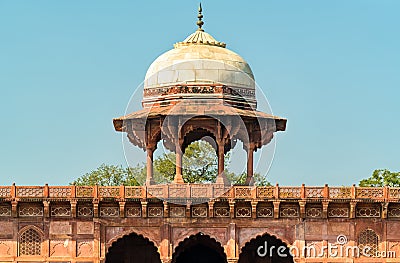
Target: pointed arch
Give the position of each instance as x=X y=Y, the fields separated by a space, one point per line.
x=199 y=248
x=368 y=239
x=133 y=248
x=276 y=251
x=30 y=241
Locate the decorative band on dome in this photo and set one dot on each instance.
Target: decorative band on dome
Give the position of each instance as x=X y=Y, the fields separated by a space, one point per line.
x=200 y=38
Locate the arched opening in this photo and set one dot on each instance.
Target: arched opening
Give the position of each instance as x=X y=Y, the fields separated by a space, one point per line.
x=368 y=239
x=199 y=248
x=133 y=248
x=265 y=249
x=30 y=242
x=200 y=162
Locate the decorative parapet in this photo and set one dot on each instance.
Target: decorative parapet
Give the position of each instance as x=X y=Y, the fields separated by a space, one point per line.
x=202 y=191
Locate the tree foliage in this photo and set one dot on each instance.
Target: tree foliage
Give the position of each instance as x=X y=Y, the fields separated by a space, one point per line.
x=112 y=175
x=200 y=165
x=382 y=177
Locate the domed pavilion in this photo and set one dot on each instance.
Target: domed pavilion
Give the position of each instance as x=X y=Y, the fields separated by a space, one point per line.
x=199 y=90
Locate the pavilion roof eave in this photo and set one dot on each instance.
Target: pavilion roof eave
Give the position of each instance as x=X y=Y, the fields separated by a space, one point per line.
x=196 y=110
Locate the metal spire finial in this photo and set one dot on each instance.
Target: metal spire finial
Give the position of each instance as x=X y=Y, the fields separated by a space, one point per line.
x=200 y=23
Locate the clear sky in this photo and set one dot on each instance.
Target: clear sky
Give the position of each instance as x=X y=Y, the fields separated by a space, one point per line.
x=332 y=68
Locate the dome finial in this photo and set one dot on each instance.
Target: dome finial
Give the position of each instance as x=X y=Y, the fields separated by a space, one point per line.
x=200 y=23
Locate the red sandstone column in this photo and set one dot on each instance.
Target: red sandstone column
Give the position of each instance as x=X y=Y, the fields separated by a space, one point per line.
x=250 y=161
x=221 y=179
x=149 y=176
x=178 y=163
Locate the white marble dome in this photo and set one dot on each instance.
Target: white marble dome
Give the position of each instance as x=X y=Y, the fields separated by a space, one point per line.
x=199 y=59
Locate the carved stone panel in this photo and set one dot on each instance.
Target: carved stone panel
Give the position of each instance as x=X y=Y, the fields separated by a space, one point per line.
x=338 y=228
x=313 y=212
x=338 y=212
x=5 y=210
x=109 y=211
x=155 y=211
x=199 y=211
x=60 y=248
x=393 y=232
x=289 y=211
x=6 y=248
x=313 y=231
x=30 y=210
x=368 y=211
x=84 y=248
x=84 y=228
x=7 y=230
x=177 y=211
x=243 y=212
x=60 y=228
x=85 y=210
x=60 y=211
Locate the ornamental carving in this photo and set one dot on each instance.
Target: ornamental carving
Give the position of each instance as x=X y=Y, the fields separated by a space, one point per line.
x=370 y=211
x=60 y=228
x=155 y=211
x=109 y=211
x=29 y=191
x=84 y=191
x=289 y=211
x=5 y=191
x=394 y=192
x=5 y=210
x=221 y=191
x=368 y=238
x=340 y=192
x=289 y=192
x=5 y=248
x=369 y=192
x=85 y=211
x=222 y=211
x=313 y=212
x=338 y=212
x=314 y=192
x=133 y=192
x=263 y=211
x=84 y=248
x=155 y=191
x=85 y=228
x=199 y=211
x=59 y=248
x=133 y=211
x=60 y=192
x=243 y=212
x=242 y=192
x=25 y=211
x=394 y=211
x=105 y=191
x=177 y=191
x=60 y=211
x=198 y=191
x=177 y=211
x=265 y=192
x=30 y=243
x=198 y=89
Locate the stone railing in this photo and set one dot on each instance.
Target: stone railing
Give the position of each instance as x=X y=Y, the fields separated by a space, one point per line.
x=200 y=191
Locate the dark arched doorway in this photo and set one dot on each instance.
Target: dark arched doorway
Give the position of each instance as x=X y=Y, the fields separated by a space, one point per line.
x=133 y=248
x=199 y=248
x=265 y=249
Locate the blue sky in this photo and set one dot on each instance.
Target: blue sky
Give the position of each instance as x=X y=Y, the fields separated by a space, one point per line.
x=330 y=67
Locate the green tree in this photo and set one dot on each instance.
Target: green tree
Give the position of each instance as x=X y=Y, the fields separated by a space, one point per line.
x=382 y=177
x=200 y=165
x=113 y=175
